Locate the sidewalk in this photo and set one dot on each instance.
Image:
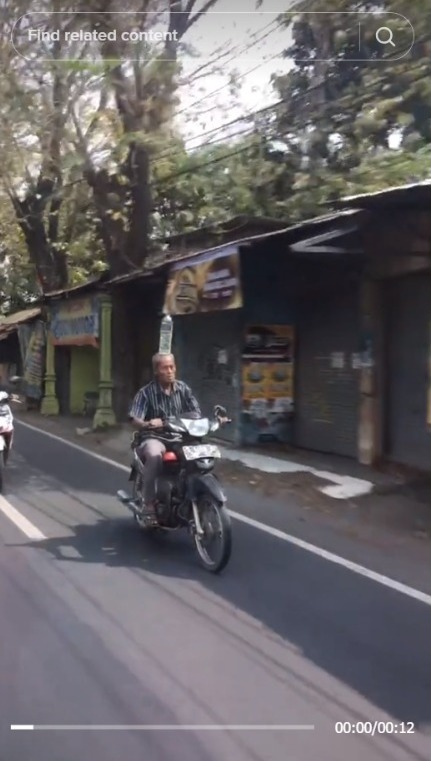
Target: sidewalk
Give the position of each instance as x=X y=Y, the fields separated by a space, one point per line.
x=331 y=485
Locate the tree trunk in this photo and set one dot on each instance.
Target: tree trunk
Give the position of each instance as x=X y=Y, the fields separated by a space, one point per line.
x=49 y=262
x=138 y=171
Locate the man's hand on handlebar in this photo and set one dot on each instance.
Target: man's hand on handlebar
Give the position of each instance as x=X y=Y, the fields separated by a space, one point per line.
x=156 y=423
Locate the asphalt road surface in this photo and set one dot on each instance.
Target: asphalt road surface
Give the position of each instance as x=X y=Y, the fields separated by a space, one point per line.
x=101 y=626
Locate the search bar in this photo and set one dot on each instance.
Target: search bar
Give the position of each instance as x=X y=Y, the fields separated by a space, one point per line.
x=355 y=36
x=348 y=36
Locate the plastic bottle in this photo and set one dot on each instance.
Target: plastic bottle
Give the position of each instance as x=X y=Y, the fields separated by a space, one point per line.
x=166 y=331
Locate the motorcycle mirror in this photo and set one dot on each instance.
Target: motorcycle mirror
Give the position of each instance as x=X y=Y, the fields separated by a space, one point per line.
x=219 y=411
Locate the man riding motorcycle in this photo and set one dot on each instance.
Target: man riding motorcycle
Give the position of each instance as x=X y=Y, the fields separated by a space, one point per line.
x=163 y=396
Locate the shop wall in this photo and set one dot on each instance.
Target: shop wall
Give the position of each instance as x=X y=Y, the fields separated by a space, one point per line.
x=268 y=344
x=10 y=358
x=136 y=317
x=84 y=376
x=207 y=348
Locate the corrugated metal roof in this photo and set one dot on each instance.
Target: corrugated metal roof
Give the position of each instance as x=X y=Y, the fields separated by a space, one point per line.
x=300 y=226
x=135 y=275
x=229 y=226
x=75 y=288
x=415 y=193
x=5 y=333
x=19 y=317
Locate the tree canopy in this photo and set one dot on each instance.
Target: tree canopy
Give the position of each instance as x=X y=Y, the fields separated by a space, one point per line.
x=95 y=171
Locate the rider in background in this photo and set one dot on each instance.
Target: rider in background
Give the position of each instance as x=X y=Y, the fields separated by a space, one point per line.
x=164 y=396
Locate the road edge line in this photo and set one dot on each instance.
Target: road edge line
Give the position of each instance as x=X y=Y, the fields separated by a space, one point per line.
x=20 y=521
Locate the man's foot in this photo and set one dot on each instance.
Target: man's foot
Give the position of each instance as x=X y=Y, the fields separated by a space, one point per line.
x=147 y=513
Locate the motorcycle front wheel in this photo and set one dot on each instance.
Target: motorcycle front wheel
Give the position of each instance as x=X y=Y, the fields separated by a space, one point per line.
x=215 y=546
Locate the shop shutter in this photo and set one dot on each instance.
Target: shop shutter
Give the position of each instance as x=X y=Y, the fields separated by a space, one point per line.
x=327 y=375
x=409 y=318
x=200 y=342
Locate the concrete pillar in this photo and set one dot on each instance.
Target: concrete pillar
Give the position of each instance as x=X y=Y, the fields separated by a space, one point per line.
x=105 y=416
x=370 y=428
x=50 y=404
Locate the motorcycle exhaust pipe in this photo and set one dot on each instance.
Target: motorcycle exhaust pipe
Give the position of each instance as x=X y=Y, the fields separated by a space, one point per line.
x=127 y=500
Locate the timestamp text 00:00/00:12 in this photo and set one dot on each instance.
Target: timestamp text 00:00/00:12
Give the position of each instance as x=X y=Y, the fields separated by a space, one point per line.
x=374 y=728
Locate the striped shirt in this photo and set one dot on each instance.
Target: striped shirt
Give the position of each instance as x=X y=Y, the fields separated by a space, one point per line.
x=152 y=402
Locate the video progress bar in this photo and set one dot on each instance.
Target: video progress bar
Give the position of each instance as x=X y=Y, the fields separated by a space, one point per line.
x=161 y=727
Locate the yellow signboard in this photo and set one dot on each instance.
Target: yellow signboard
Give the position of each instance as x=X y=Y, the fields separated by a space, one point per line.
x=267 y=380
x=206 y=283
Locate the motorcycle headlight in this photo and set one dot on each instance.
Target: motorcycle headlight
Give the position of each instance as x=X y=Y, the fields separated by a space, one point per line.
x=197 y=428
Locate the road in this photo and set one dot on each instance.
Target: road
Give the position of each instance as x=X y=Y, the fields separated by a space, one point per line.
x=103 y=626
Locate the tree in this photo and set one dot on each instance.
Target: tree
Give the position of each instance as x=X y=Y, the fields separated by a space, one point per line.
x=337 y=113
x=38 y=167
x=219 y=181
x=142 y=81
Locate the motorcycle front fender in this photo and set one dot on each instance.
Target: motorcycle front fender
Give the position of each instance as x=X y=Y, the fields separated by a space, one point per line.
x=205 y=484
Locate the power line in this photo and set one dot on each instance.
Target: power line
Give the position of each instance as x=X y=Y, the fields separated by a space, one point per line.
x=254 y=114
x=223 y=87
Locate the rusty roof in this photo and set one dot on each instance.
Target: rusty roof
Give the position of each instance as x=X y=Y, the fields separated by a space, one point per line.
x=229 y=226
x=74 y=289
x=414 y=195
x=17 y=318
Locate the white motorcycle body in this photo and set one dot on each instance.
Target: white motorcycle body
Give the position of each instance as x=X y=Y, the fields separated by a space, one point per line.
x=6 y=419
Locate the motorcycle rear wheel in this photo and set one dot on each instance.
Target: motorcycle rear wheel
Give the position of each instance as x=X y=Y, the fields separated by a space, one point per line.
x=221 y=527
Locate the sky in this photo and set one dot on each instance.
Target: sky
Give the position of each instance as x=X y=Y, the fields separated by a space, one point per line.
x=252 y=44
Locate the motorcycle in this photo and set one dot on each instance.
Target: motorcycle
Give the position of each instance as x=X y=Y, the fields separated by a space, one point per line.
x=6 y=431
x=188 y=493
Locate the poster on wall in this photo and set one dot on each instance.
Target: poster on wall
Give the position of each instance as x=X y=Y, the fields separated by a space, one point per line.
x=206 y=283
x=268 y=383
x=75 y=322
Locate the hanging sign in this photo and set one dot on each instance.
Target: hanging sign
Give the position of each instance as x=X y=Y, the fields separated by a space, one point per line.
x=75 y=322
x=35 y=361
x=206 y=283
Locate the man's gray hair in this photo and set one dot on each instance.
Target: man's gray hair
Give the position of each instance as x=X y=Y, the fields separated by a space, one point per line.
x=157 y=359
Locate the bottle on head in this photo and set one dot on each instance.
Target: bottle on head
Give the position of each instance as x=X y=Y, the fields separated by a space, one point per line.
x=166 y=331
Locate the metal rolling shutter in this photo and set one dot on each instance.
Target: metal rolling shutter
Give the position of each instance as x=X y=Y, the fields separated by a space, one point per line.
x=198 y=339
x=409 y=317
x=327 y=395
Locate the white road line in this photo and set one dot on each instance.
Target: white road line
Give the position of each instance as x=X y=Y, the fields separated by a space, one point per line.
x=320 y=552
x=379 y=578
x=29 y=529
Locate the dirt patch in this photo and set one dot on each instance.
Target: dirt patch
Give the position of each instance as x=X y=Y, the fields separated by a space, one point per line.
x=302 y=485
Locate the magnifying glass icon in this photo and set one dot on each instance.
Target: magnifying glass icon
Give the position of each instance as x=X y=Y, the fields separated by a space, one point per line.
x=387 y=37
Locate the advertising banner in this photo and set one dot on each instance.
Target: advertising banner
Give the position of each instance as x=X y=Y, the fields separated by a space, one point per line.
x=33 y=341
x=268 y=383
x=75 y=322
x=206 y=283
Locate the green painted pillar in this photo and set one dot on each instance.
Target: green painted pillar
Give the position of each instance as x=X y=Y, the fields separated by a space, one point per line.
x=105 y=416
x=50 y=404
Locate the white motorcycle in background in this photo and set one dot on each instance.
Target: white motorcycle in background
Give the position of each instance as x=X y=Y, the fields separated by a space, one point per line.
x=6 y=430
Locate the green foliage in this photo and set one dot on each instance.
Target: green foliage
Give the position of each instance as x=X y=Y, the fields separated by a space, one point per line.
x=357 y=124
